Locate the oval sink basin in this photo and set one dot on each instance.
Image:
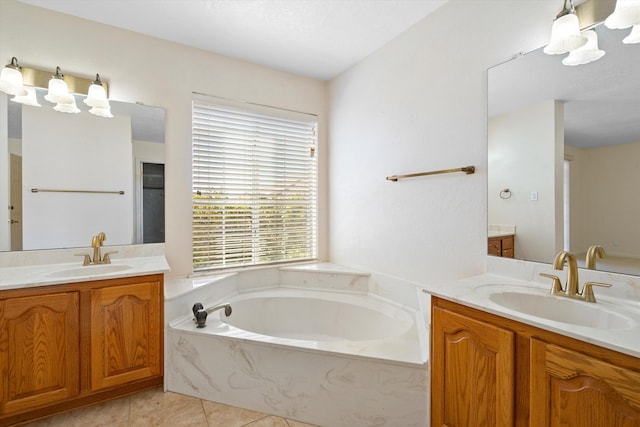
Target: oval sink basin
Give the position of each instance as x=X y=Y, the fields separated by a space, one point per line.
x=89 y=270
x=561 y=309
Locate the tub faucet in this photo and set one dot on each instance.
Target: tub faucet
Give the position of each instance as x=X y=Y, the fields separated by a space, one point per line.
x=200 y=313
x=595 y=251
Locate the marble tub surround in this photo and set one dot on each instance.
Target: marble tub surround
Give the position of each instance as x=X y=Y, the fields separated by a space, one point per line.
x=39 y=268
x=308 y=386
x=474 y=292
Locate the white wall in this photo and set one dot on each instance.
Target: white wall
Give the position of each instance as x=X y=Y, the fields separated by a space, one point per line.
x=164 y=74
x=523 y=147
x=608 y=178
x=419 y=104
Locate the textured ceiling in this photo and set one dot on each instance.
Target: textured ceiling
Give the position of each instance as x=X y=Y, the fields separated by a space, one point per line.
x=314 y=38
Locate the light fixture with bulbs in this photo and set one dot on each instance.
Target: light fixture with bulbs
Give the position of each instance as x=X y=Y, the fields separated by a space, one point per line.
x=22 y=81
x=567 y=35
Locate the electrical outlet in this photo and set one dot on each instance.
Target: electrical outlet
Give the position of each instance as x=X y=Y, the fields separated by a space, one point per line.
x=534 y=196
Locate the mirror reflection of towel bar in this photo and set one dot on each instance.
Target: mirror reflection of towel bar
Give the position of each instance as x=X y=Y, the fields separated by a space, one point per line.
x=40 y=190
x=468 y=170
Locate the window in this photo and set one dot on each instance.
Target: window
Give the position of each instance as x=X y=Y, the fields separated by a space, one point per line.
x=254 y=186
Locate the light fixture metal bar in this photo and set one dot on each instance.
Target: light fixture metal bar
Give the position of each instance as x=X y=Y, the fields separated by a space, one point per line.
x=593 y=12
x=467 y=169
x=40 y=78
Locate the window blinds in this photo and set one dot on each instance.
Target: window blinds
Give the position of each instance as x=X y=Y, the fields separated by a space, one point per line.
x=254 y=187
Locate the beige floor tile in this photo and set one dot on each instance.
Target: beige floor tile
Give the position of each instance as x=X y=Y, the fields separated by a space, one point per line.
x=293 y=423
x=114 y=413
x=156 y=408
x=220 y=415
x=156 y=399
x=41 y=423
x=269 y=421
x=178 y=416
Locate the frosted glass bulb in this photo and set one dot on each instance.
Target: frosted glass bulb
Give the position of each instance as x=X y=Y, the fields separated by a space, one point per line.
x=28 y=99
x=634 y=36
x=587 y=53
x=11 y=82
x=626 y=14
x=58 y=92
x=565 y=35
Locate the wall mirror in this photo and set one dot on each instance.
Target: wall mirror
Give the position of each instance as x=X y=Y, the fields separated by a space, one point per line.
x=66 y=177
x=564 y=143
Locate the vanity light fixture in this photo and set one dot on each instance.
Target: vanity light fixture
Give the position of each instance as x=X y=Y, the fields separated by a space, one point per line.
x=626 y=14
x=565 y=32
x=21 y=82
x=583 y=47
x=11 y=79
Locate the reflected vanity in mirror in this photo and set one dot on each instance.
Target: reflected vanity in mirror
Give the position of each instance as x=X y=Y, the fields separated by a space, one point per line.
x=565 y=141
x=66 y=177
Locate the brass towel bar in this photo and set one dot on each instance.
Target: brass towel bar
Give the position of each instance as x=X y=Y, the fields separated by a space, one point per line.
x=467 y=169
x=39 y=190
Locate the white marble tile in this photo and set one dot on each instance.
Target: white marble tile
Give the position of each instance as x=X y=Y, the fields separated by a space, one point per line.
x=303 y=385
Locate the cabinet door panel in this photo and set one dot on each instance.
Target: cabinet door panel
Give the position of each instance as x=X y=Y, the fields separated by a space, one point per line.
x=126 y=334
x=572 y=388
x=39 y=351
x=473 y=372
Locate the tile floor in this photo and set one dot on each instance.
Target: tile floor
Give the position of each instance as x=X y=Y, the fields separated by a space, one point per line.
x=156 y=408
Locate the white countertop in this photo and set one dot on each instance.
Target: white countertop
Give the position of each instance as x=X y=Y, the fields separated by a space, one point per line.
x=491 y=234
x=28 y=276
x=472 y=292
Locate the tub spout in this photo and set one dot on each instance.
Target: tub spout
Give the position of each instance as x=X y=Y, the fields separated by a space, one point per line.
x=200 y=313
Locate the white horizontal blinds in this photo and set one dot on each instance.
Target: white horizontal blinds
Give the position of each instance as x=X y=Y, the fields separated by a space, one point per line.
x=254 y=187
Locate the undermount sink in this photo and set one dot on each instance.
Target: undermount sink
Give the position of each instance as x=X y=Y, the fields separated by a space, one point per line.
x=89 y=270
x=535 y=302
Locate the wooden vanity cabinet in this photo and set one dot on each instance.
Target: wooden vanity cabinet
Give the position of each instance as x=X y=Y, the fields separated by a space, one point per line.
x=510 y=373
x=66 y=346
x=502 y=246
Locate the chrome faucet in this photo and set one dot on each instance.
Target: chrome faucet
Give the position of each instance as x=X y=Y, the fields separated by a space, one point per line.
x=200 y=313
x=594 y=251
x=572 y=288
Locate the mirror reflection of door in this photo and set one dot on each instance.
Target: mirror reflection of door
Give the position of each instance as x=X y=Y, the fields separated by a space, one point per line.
x=15 y=200
x=153 y=202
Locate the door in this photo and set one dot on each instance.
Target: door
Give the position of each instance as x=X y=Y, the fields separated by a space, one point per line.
x=39 y=351
x=126 y=328
x=569 y=388
x=473 y=372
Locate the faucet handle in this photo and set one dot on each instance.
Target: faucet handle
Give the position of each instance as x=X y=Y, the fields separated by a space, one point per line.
x=556 y=287
x=106 y=258
x=87 y=259
x=587 y=291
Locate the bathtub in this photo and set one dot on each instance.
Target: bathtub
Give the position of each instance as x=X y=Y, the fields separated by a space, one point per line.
x=324 y=358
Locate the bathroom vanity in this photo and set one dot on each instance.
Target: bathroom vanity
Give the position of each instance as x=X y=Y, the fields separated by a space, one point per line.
x=549 y=361
x=524 y=375
x=69 y=343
